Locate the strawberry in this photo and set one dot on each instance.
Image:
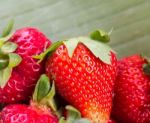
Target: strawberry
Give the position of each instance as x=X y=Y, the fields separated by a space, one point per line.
x=132 y=91
x=20 y=113
x=19 y=71
x=111 y=121
x=84 y=70
x=37 y=111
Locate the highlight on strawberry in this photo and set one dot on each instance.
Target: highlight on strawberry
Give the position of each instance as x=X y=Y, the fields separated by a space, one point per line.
x=19 y=71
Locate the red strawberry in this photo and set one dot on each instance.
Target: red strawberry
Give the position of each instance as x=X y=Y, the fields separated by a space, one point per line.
x=20 y=113
x=111 y=121
x=84 y=71
x=17 y=81
x=132 y=91
x=37 y=112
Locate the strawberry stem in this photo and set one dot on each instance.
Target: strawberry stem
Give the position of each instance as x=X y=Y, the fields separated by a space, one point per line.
x=100 y=35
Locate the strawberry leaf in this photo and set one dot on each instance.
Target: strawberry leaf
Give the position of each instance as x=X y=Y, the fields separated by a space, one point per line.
x=8 y=59
x=9 y=47
x=71 y=44
x=7 y=62
x=1 y=43
x=51 y=49
x=4 y=76
x=44 y=93
x=62 y=120
x=14 y=60
x=82 y=120
x=100 y=35
x=42 y=88
x=99 y=49
x=72 y=114
x=49 y=98
x=4 y=61
x=4 y=39
x=8 y=28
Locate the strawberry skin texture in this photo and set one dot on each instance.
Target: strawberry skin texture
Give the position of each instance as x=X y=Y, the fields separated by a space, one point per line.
x=20 y=113
x=30 y=42
x=132 y=91
x=84 y=81
x=111 y=121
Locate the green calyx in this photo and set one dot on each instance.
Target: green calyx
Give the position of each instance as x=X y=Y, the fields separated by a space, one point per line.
x=100 y=35
x=8 y=59
x=51 y=49
x=96 y=44
x=82 y=120
x=8 y=28
x=44 y=95
x=44 y=92
x=99 y=49
x=73 y=116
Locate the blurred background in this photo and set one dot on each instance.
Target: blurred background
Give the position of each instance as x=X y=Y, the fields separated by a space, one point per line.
x=62 y=19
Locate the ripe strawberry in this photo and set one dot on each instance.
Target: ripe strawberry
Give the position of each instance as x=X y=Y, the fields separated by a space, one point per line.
x=132 y=91
x=84 y=71
x=37 y=111
x=20 y=113
x=111 y=121
x=18 y=78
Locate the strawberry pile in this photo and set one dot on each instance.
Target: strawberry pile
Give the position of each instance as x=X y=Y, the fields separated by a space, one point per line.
x=78 y=80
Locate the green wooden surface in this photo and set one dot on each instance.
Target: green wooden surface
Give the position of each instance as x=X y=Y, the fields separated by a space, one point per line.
x=61 y=19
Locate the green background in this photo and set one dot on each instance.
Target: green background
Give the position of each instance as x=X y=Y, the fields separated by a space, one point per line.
x=61 y=19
